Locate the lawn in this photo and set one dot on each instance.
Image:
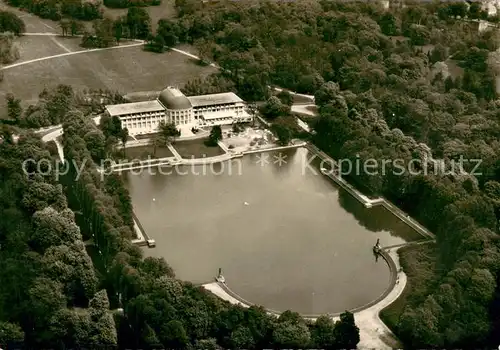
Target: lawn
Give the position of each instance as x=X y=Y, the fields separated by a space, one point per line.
x=123 y=70
x=420 y=265
x=32 y=47
x=145 y=152
x=196 y=149
x=146 y=136
x=301 y=99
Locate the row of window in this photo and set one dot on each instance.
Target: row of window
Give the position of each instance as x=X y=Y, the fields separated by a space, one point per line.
x=180 y=113
x=136 y=116
x=217 y=109
x=141 y=125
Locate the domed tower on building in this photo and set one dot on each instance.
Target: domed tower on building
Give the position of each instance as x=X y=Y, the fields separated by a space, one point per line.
x=178 y=108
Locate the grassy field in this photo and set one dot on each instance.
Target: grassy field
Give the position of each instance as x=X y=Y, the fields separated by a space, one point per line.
x=420 y=265
x=301 y=99
x=32 y=47
x=123 y=70
x=196 y=149
x=143 y=152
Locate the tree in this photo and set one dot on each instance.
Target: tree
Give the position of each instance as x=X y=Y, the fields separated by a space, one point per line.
x=206 y=344
x=168 y=31
x=46 y=298
x=326 y=93
x=71 y=266
x=159 y=43
x=14 y=109
x=9 y=52
x=156 y=141
x=155 y=43
x=174 y=336
x=138 y=22
x=96 y=144
x=124 y=138
x=111 y=126
x=51 y=228
x=241 y=338
x=346 y=333
x=388 y=24
x=168 y=132
x=282 y=132
x=104 y=329
x=476 y=12
x=10 y=333
x=99 y=304
x=260 y=325
x=157 y=267
x=118 y=29
x=65 y=26
x=76 y=27
x=274 y=108
x=215 y=136
x=285 y=97
x=323 y=333
x=438 y=54
x=10 y=22
x=290 y=336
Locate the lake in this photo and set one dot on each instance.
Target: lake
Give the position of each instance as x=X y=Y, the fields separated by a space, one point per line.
x=285 y=236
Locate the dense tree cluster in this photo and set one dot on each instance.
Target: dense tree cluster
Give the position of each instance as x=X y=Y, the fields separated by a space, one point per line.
x=213 y=84
x=10 y=22
x=48 y=285
x=461 y=209
x=55 y=10
x=8 y=50
x=130 y=3
x=136 y=24
x=412 y=83
x=299 y=45
x=53 y=105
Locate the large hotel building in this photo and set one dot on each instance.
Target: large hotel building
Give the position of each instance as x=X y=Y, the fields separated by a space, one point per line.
x=173 y=106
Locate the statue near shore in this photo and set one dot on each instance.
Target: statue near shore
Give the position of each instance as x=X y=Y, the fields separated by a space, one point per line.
x=219 y=277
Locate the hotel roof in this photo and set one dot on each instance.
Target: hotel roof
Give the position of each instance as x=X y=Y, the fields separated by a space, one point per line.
x=134 y=107
x=214 y=99
x=173 y=98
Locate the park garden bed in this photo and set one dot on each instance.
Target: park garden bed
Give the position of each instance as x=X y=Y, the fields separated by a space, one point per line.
x=145 y=152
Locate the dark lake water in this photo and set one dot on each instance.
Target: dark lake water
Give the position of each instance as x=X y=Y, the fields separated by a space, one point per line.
x=285 y=236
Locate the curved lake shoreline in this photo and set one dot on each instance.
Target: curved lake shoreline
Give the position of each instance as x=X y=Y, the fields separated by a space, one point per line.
x=298 y=244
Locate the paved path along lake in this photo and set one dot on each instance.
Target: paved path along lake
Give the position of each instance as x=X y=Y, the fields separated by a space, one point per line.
x=284 y=235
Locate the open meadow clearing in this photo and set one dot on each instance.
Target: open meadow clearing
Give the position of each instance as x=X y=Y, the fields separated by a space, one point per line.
x=121 y=69
x=33 y=47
